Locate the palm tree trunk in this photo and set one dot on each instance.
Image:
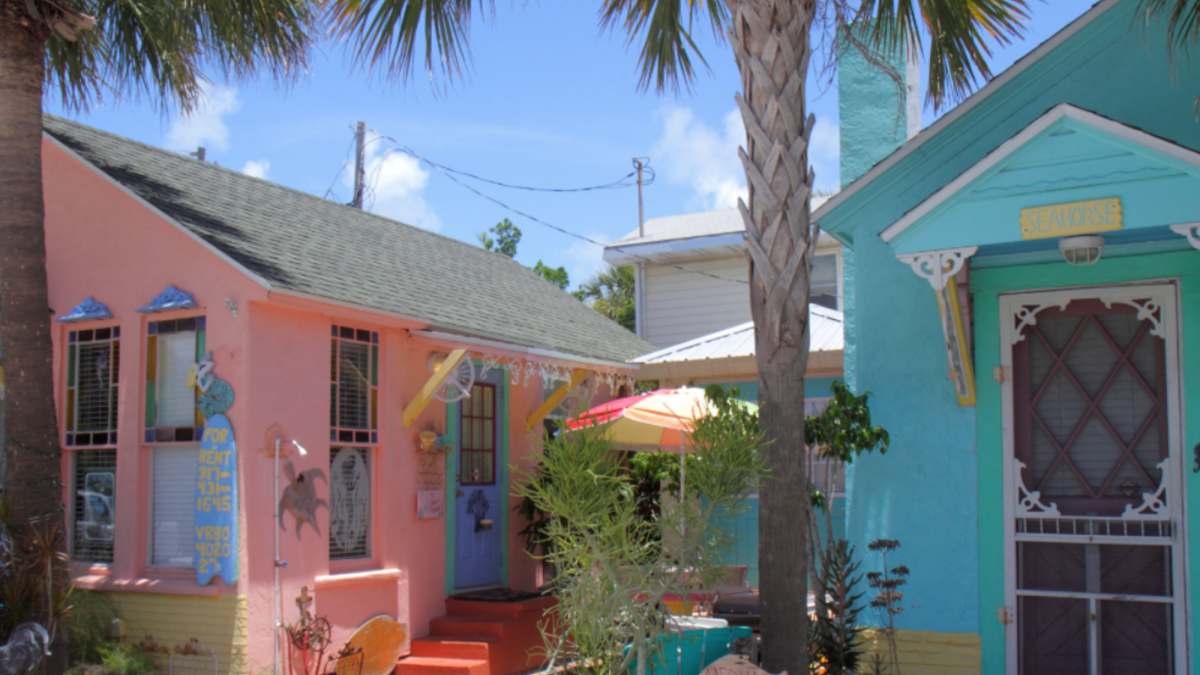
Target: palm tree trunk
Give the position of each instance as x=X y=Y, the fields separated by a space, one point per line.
x=34 y=471
x=770 y=41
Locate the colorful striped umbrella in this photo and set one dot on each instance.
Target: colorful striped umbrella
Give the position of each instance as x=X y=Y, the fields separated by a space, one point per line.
x=657 y=421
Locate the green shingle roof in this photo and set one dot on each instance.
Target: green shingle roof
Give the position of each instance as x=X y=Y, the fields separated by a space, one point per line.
x=300 y=242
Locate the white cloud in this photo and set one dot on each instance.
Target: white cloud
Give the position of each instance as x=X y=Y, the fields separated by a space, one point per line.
x=584 y=259
x=395 y=187
x=258 y=168
x=206 y=125
x=692 y=153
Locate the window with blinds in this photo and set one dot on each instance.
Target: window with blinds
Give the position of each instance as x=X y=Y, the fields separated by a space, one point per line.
x=173 y=506
x=172 y=348
x=349 y=503
x=478 y=456
x=93 y=513
x=354 y=386
x=93 y=362
x=824 y=281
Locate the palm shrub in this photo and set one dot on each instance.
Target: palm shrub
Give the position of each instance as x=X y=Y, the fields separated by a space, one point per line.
x=616 y=567
x=33 y=570
x=836 y=634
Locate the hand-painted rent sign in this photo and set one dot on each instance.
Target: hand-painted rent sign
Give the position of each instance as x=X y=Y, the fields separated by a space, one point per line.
x=1072 y=218
x=216 y=504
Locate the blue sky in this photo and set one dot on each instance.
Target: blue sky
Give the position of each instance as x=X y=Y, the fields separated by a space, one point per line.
x=550 y=102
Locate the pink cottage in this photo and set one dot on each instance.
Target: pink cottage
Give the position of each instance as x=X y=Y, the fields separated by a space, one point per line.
x=206 y=320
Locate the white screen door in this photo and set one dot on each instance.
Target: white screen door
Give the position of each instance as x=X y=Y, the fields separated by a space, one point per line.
x=1094 y=536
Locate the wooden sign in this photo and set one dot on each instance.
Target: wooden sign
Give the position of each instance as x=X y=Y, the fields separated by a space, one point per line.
x=382 y=642
x=1072 y=218
x=734 y=664
x=216 y=521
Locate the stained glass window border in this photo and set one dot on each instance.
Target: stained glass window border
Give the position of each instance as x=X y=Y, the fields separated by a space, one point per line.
x=153 y=433
x=345 y=435
x=76 y=338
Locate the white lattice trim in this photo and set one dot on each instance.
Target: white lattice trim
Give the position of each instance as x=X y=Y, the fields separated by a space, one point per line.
x=1153 y=505
x=1026 y=316
x=938 y=266
x=1030 y=503
x=521 y=372
x=1189 y=230
x=1147 y=310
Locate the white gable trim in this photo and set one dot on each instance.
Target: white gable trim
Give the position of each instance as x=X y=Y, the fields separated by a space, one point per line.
x=961 y=109
x=1027 y=134
x=158 y=212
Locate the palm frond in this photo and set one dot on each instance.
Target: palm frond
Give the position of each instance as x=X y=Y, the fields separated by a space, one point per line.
x=158 y=48
x=665 y=28
x=386 y=33
x=959 y=32
x=1183 y=19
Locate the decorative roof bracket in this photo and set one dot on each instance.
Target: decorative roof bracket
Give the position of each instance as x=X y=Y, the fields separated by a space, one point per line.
x=938 y=266
x=554 y=399
x=1189 y=230
x=939 y=269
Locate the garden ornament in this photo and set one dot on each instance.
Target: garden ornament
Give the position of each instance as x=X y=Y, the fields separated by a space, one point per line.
x=23 y=652
x=300 y=498
x=216 y=395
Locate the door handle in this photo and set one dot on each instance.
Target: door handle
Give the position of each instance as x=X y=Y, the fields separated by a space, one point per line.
x=459 y=493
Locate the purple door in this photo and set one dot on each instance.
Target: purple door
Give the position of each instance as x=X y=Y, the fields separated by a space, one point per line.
x=1090 y=433
x=479 y=500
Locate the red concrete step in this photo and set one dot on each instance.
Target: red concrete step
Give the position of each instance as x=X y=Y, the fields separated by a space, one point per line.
x=478 y=648
x=429 y=665
x=468 y=627
x=506 y=610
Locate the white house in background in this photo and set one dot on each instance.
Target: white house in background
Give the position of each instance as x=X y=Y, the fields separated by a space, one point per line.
x=692 y=275
x=693 y=303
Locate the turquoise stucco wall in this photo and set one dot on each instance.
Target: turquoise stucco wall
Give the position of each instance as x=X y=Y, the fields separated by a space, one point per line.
x=987 y=285
x=872 y=119
x=922 y=492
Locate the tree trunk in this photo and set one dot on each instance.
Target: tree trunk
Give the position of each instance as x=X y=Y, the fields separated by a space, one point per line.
x=34 y=471
x=770 y=41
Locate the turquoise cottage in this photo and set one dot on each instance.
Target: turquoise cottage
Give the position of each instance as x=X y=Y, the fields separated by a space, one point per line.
x=1022 y=298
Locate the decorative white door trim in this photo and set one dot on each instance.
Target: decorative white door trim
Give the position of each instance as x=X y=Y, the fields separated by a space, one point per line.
x=1158 y=302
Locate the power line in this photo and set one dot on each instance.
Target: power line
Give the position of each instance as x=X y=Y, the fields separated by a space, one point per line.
x=453 y=174
x=336 y=176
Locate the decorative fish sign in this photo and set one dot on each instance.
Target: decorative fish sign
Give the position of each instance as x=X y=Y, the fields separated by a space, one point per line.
x=216 y=395
x=300 y=498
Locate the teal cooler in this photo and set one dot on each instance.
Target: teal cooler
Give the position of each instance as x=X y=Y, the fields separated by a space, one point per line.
x=690 y=651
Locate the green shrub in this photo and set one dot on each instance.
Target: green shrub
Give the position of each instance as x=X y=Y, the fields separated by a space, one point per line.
x=87 y=625
x=122 y=658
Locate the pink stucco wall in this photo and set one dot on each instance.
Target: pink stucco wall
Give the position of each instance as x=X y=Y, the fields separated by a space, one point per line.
x=104 y=243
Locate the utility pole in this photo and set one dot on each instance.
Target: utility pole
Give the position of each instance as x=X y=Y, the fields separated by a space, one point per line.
x=360 y=135
x=637 y=161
